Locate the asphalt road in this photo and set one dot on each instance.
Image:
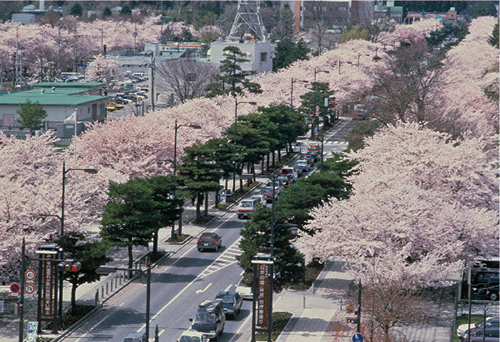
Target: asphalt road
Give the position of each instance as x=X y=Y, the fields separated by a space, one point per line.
x=177 y=287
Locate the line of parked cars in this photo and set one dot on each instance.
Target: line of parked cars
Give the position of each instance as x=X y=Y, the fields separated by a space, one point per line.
x=489 y=330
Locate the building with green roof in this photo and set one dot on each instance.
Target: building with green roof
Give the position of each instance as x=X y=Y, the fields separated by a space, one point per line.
x=60 y=101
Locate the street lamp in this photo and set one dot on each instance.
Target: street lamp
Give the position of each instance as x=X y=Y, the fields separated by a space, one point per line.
x=236 y=103
x=315 y=104
x=61 y=243
x=176 y=127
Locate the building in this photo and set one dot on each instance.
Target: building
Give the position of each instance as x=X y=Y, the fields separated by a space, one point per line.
x=60 y=100
x=258 y=53
x=29 y=13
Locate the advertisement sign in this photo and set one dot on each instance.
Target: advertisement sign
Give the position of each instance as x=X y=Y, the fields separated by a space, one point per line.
x=48 y=270
x=262 y=294
x=223 y=196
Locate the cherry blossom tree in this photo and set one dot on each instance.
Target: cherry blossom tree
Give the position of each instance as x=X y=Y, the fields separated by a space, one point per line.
x=31 y=191
x=102 y=69
x=428 y=199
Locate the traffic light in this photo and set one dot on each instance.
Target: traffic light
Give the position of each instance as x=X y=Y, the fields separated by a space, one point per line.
x=332 y=100
x=69 y=266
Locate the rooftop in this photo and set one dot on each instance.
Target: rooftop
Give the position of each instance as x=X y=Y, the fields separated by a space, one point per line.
x=47 y=97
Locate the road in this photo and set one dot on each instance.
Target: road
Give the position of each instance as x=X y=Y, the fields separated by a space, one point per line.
x=177 y=287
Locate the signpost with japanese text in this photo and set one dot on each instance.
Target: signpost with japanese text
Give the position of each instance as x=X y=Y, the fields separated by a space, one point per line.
x=262 y=308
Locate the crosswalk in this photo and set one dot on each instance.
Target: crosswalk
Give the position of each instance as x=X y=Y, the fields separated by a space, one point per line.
x=342 y=142
x=224 y=260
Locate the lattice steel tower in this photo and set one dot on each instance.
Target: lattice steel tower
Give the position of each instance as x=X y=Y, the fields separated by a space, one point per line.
x=248 y=20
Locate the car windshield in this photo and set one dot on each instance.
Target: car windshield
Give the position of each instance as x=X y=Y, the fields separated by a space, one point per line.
x=206 y=238
x=204 y=318
x=189 y=339
x=132 y=339
x=228 y=299
x=246 y=204
x=286 y=171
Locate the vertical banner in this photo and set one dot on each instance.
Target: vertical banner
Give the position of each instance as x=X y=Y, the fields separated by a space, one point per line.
x=262 y=294
x=32 y=331
x=47 y=286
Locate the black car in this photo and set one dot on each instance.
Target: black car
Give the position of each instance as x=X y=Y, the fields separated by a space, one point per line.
x=491 y=330
x=314 y=155
x=209 y=241
x=491 y=292
x=481 y=277
x=231 y=302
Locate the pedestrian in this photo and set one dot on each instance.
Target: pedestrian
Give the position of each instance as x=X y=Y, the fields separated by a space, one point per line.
x=193 y=199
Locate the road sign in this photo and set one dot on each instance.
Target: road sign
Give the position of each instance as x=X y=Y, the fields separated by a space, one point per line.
x=357 y=338
x=29 y=288
x=223 y=196
x=311 y=113
x=317 y=110
x=32 y=329
x=30 y=275
x=15 y=287
x=316 y=130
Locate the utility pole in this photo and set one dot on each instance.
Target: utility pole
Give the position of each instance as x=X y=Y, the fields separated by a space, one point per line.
x=21 y=302
x=152 y=81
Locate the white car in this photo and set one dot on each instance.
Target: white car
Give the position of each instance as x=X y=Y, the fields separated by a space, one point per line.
x=244 y=291
x=462 y=328
x=192 y=336
x=260 y=198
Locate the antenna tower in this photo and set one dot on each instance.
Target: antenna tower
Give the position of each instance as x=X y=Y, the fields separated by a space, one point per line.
x=248 y=20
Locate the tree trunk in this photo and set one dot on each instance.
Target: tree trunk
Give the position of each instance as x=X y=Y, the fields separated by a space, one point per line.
x=198 y=213
x=268 y=162
x=279 y=155
x=206 y=204
x=262 y=166
x=253 y=173
x=274 y=160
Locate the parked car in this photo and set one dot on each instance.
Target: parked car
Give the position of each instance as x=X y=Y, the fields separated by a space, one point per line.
x=209 y=241
x=247 y=207
x=492 y=323
x=492 y=281
x=492 y=292
x=268 y=194
x=135 y=337
x=210 y=319
x=193 y=336
x=480 y=278
x=262 y=200
x=231 y=302
x=244 y=290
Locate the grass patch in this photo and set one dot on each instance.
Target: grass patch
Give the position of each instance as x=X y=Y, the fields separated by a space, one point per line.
x=464 y=319
x=280 y=319
x=312 y=272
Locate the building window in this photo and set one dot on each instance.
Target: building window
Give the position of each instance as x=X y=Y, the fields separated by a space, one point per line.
x=263 y=56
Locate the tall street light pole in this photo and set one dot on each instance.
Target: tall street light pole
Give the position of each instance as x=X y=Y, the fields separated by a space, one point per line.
x=175 y=170
x=61 y=243
x=291 y=91
x=236 y=103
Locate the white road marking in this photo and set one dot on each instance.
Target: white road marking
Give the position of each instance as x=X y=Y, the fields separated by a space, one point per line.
x=83 y=336
x=206 y=288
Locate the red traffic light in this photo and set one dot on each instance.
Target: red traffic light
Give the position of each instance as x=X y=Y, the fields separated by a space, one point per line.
x=69 y=266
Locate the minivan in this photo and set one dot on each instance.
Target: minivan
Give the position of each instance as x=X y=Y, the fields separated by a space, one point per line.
x=210 y=319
